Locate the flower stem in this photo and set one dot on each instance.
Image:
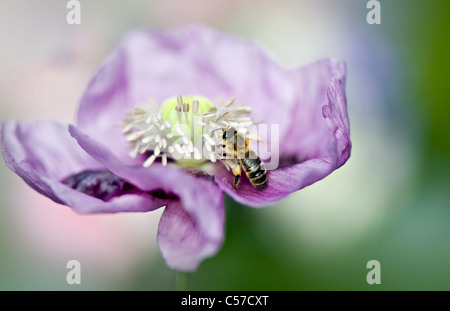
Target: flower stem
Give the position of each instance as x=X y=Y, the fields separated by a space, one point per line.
x=182 y=281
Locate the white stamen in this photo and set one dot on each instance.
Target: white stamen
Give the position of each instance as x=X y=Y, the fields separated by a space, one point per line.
x=243 y=124
x=178 y=148
x=133 y=153
x=186 y=149
x=144 y=150
x=222 y=115
x=195 y=105
x=178 y=110
x=209 y=115
x=243 y=109
x=139 y=111
x=157 y=151
x=230 y=102
x=127 y=128
x=179 y=131
x=209 y=139
x=190 y=146
x=164 y=143
x=197 y=154
x=185 y=140
x=157 y=138
x=208 y=146
x=149 y=161
x=147 y=139
x=134 y=136
x=164 y=159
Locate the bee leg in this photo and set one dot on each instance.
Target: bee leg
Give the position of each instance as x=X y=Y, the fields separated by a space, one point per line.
x=237 y=175
x=236 y=181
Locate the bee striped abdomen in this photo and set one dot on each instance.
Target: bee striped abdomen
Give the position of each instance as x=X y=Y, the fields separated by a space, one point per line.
x=255 y=170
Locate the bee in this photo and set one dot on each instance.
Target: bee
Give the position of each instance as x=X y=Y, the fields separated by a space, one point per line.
x=239 y=155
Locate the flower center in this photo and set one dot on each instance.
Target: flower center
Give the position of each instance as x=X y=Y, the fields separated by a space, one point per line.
x=187 y=130
x=183 y=112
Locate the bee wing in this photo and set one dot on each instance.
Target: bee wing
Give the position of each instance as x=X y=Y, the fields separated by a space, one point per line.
x=254 y=137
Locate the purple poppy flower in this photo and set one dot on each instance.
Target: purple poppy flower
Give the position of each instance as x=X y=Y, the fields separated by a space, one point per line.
x=128 y=156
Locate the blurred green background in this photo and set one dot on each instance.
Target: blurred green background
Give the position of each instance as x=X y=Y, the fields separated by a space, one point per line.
x=390 y=202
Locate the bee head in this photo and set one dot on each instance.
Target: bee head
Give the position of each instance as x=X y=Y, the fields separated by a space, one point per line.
x=228 y=133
